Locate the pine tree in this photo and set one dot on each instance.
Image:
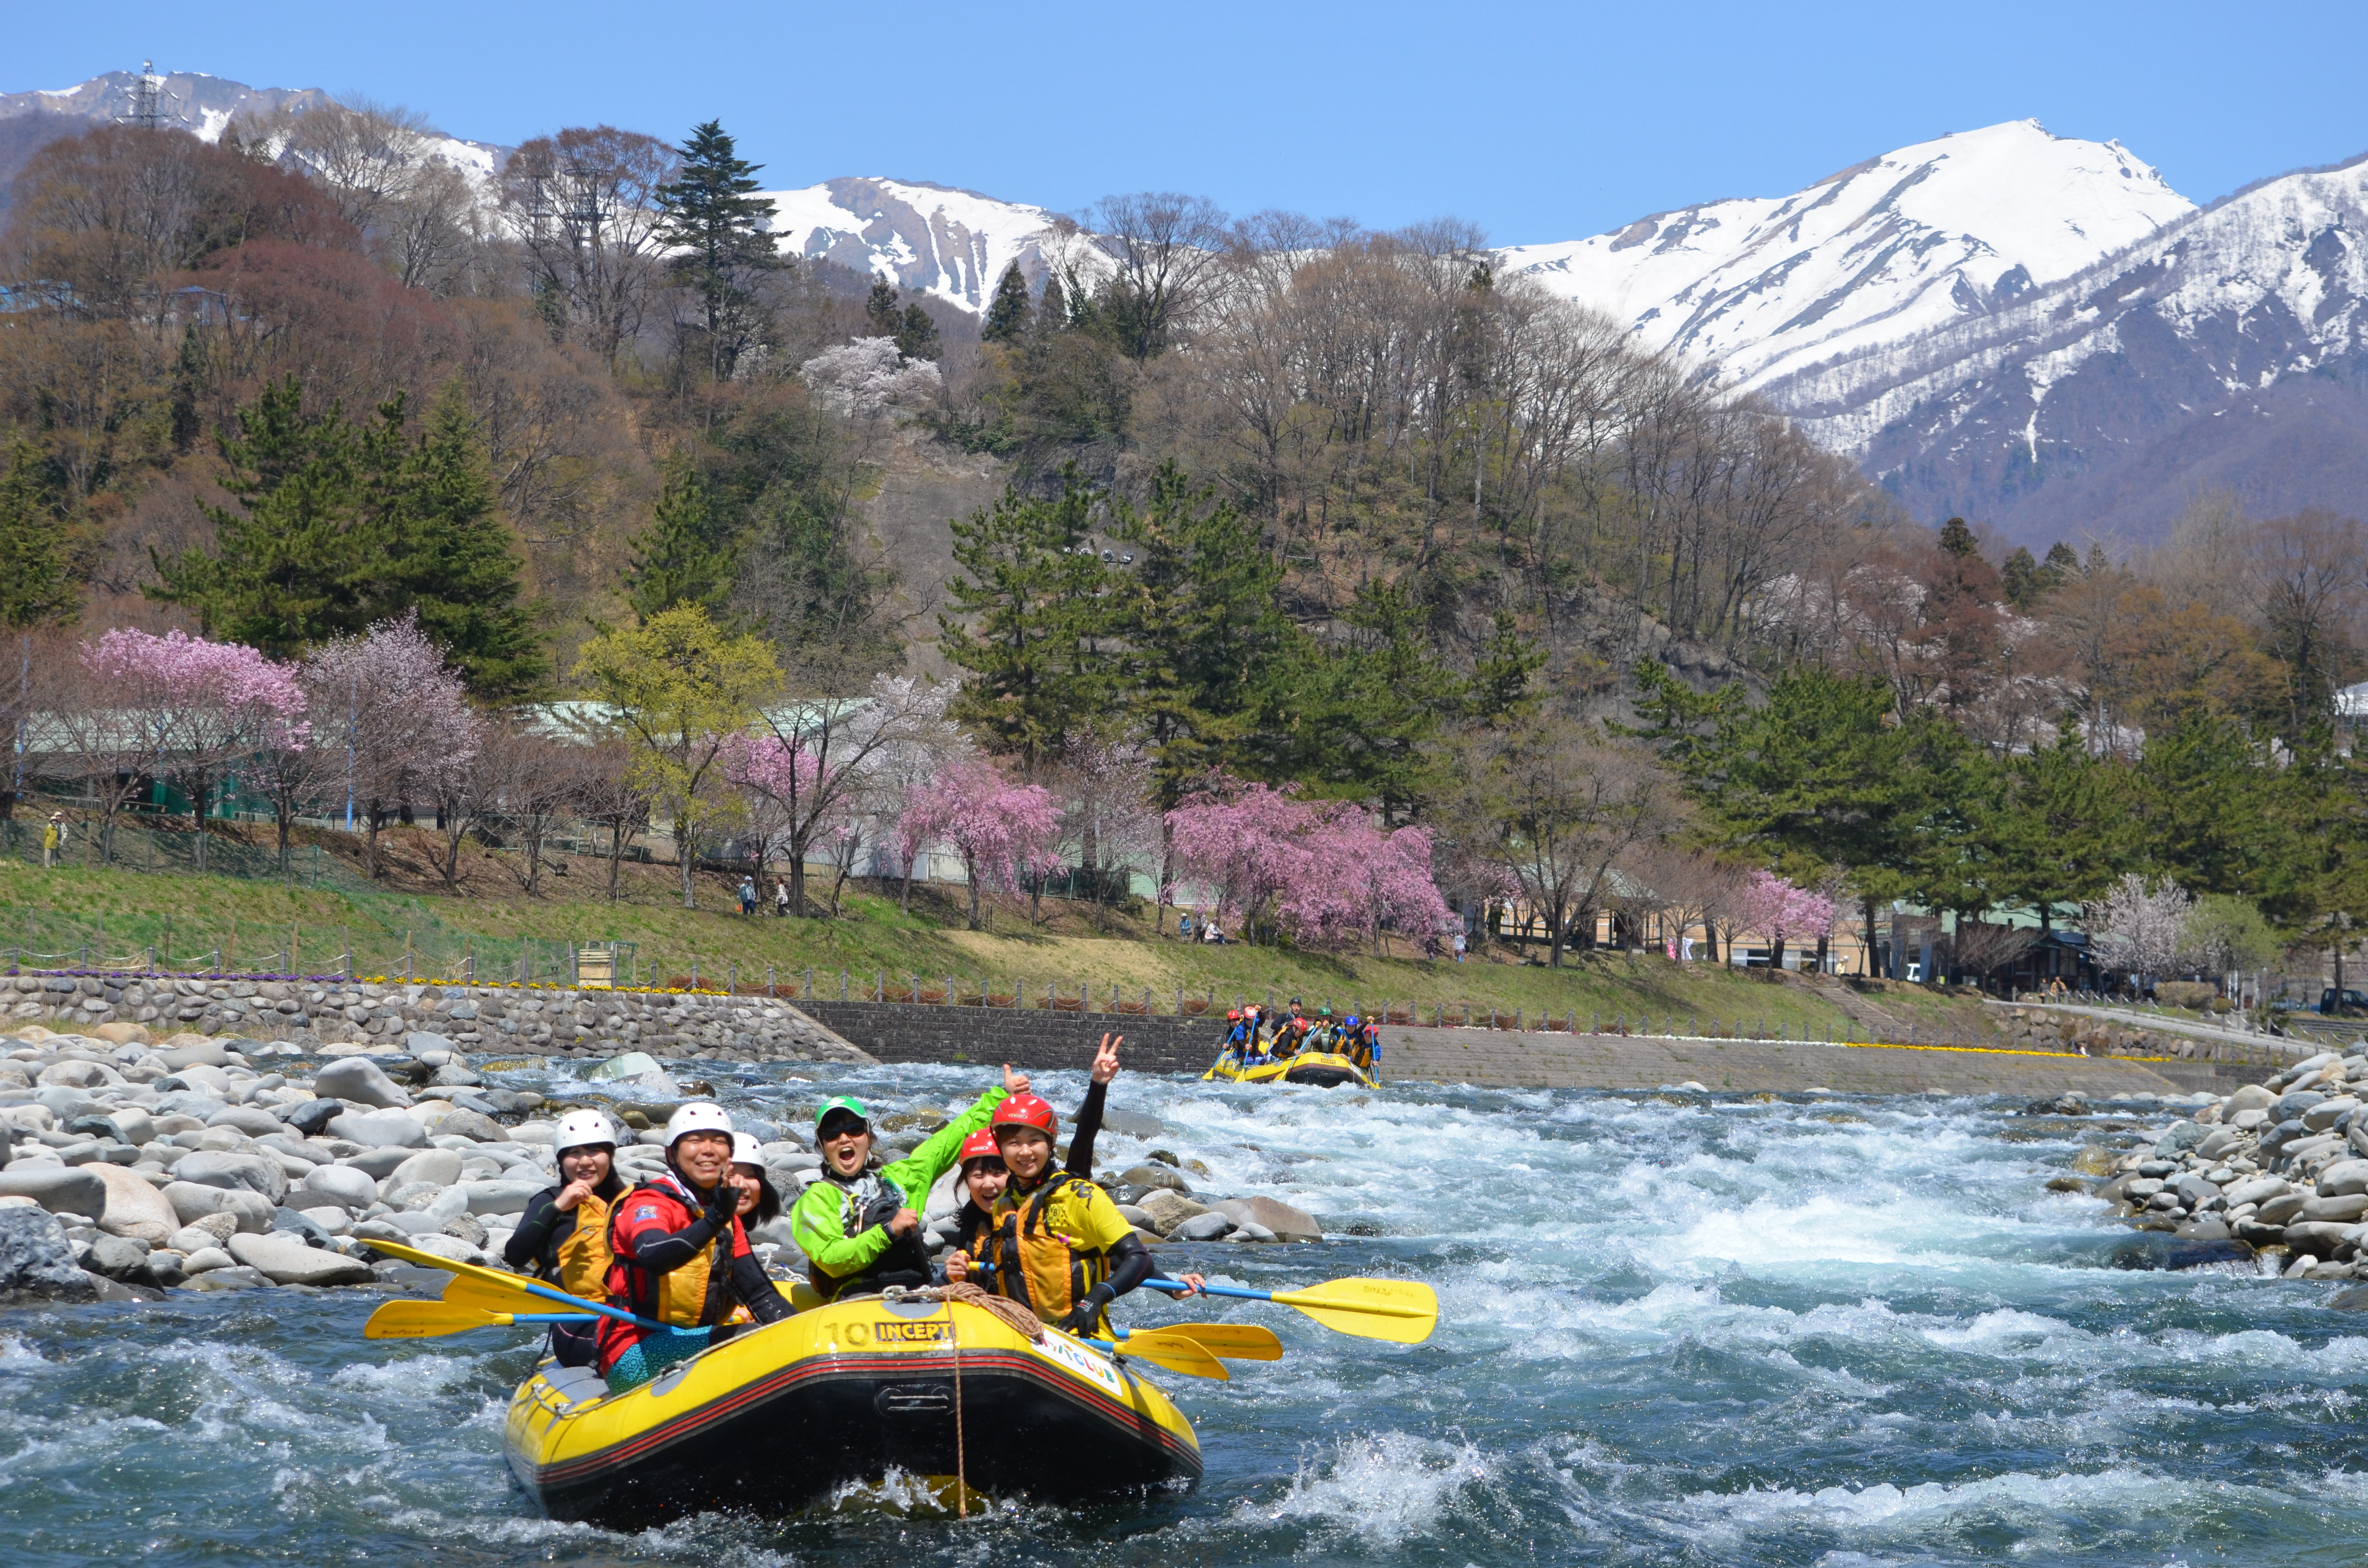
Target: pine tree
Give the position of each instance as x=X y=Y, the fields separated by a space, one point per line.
x=880 y=311
x=292 y=566
x=37 y=580
x=2023 y=579
x=1008 y=315
x=685 y=556
x=1052 y=311
x=451 y=557
x=1957 y=538
x=2063 y=564
x=1500 y=679
x=713 y=216
x=917 y=336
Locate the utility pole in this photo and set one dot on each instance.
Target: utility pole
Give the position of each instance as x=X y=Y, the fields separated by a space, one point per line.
x=148 y=95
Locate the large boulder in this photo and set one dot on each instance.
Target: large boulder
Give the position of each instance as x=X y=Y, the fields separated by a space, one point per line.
x=61 y=1189
x=2252 y=1097
x=134 y=1209
x=357 y=1080
x=224 y=1167
x=2255 y=1190
x=380 y=1130
x=2347 y=1210
x=2286 y=1206
x=342 y=1185
x=251 y=1119
x=36 y=1263
x=2318 y=1237
x=194 y=1200
x=284 y=1259
x=76 y=1074
x=308 y=1118
x=1155 y=1177
x=2343 y=1177
x=118 y=1257
x=1288 y=1223
x=632 y=1065
x=197 y=1053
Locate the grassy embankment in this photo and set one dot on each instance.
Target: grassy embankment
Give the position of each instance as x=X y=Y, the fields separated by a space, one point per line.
x=121 y=914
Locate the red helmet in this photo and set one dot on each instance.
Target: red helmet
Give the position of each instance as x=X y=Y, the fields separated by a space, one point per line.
x=1233 y=1015
x=979 y=1145
x=1026 y=1110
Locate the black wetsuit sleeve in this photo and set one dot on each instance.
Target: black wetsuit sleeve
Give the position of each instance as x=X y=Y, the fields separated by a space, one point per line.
x=1089 y=1126
x=756 y=1291
x=669 y=1253
x=538 y=1231
x=1129 y=1265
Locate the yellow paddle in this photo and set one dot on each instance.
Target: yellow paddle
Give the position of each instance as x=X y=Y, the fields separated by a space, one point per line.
x=1400 y=1309
x=1173 y=1351
x=426 y=1320
x=496 y=1290
x=1233 y=1341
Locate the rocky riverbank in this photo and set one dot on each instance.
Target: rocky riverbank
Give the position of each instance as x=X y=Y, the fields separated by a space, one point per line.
x=134 y=1166
x=2281 y=1166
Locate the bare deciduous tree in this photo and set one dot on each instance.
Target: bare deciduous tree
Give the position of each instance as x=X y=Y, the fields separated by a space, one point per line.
x=584 y=207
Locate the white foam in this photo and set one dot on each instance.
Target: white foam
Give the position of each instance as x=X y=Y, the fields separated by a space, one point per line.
x=1385 y=1488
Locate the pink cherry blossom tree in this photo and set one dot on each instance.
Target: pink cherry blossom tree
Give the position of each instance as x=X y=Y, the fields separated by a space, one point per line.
x=1324 y=873
x=193 y=708
x=1005 y=833
x=1769 y=904
x=400 y=716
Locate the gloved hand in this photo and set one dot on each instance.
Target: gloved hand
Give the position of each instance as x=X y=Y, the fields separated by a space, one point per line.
x=1085 y=1317
x=722 y=1204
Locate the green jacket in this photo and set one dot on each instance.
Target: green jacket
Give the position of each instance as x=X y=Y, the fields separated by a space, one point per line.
x=824 y=1211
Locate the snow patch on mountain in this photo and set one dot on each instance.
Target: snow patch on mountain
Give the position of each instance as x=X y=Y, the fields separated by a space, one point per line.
x=928 y=239
x=1901 y=246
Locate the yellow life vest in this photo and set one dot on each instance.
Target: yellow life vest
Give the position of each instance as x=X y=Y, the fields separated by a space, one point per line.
x=584 y=1256
x=1038 y=1265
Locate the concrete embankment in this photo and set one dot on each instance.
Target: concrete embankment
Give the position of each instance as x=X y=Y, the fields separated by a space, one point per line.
x=1510 y=1059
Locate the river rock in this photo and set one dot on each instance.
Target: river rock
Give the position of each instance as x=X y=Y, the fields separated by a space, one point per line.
x=341 y=1184
x=453 y=1076
x=197 y=1053
x=73 y=1073
x=133 y=1207
x=1155 y=1176
x=2348 y=1209
x=2252 y=1097
x=1206 y=1226
x=499 y=1196
x=1168 y=1209
x=2284 y=1206
x=380 y=1130
x=210 y=1168
x=302 y=1226
x=205 y=1260
x=358 y=1081
x=1133 y=1123
x=309 y=1117
x=36 y=1263
x=284 y=1260
x=2219 y=1142
x=440 y=1167
x=2208 y=1228
x=61 y=1189
x=191 y=1200
x=467 y=1228
x=2254 y=1189
x=1286 y=1223
x=2318 y=1237
x=2183 y=1136
x=2325 y=1114
x=1254 y=1232
x=118 y=1257
x=472 y=1125
x=2342 y=1178
x=379 y=1164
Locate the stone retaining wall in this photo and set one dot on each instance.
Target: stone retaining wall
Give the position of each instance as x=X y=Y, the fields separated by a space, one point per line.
x=1037 y=1039
x=490 y=1018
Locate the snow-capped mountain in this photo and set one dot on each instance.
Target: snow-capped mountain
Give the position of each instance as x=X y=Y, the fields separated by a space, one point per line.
x=1888 y=250
x=2224 y=350
x=205 y=106
x=928 y=239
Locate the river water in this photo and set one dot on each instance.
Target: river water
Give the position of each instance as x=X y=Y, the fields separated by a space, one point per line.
x=1832 y=1331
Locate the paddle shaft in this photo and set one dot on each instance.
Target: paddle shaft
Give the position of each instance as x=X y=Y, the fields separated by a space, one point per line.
x=1291 y=1299
x=563 y=1298
x=509 y=1282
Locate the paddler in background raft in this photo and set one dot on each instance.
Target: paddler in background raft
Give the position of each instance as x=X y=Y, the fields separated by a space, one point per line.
x=1057 y=1242
x=680 y=1255
x=563 y=1234
x=860 y=1228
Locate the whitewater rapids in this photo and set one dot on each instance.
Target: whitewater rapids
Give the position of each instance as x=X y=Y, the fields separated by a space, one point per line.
x=1674 y=1329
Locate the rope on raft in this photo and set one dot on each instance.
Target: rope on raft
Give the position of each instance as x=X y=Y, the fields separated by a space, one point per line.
x=1016 y=1316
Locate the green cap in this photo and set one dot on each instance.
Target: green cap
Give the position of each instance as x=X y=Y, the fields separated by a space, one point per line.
x=847 y=1103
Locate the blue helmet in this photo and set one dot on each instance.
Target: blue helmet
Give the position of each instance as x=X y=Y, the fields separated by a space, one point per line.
x=1350 y=1022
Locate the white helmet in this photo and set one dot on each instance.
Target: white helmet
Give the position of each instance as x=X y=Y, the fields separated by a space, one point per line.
x=699 y=1116
x=746 y=1151
x=581 y=1128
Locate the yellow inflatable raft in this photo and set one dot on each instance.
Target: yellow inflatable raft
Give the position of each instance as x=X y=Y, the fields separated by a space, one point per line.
x=1323 y=1069
x=781 y=1415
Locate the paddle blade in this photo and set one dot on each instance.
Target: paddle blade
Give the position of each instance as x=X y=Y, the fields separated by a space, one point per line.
x=1403 y=1310
x=491 y=1295
x=426 y=1320
x=1174 y=1352
x=1233 y=1341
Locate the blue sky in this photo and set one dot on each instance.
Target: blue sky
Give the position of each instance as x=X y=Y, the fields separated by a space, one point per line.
x=1536 y=122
